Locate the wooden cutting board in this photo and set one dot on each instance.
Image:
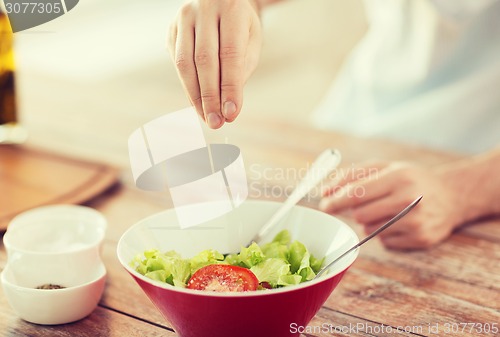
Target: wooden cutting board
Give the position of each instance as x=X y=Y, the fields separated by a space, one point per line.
x=30 y=177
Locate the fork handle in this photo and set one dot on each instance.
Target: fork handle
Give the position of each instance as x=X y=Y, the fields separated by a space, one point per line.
x=327 y=161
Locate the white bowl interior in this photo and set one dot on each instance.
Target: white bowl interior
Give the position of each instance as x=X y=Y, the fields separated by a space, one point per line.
x=55 y=244
x=32 y=275
x=323 y=234
x=10 y=276
x=56 y=306
x=55 y=229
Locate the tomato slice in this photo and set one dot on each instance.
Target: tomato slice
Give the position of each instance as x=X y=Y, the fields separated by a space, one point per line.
x=223 y=277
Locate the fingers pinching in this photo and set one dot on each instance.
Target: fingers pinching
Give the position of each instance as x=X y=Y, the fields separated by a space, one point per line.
x=215 y=46
x=233 y=41
x=206 y=59
x=184 y=61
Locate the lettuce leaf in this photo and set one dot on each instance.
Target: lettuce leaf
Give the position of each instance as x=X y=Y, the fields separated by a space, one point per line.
x=283 y=238
x=279 y=263
x=316 y=263
x=297 y=252
x=271 y=270
x=289 y=280
x=166 y=267
x=204 y=258
x=251 y=256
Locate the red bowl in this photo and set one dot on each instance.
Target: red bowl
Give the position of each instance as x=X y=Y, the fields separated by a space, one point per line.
x=272 y=313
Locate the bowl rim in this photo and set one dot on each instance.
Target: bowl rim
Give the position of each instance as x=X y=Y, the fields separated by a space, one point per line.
x=14 y=227
x=102 y=274
x=326 y=277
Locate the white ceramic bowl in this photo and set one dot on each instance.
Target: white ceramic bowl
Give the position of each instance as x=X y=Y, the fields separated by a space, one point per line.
x=57 y=238
x=55 y=229
x=55 y=306
x=59 y=244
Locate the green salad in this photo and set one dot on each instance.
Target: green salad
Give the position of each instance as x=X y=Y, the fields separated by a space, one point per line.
x=278 y=263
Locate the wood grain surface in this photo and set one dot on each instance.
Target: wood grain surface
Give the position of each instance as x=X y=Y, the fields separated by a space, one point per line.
x=418 y=293
x=31 y=177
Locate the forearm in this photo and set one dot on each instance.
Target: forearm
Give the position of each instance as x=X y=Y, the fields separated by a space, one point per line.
x=476 y=180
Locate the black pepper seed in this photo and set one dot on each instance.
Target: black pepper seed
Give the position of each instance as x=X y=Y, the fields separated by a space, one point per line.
x=50 y=286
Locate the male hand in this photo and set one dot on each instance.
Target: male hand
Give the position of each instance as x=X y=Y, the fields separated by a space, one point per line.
x=215 y=45
x=374 y=193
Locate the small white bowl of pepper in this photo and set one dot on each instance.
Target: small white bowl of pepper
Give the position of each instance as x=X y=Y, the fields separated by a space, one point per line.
x=54 y=272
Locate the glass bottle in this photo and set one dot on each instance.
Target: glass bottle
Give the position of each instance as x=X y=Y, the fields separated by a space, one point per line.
x=10 y=130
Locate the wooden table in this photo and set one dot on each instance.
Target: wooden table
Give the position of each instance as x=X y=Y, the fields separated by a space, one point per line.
x=385 y=293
